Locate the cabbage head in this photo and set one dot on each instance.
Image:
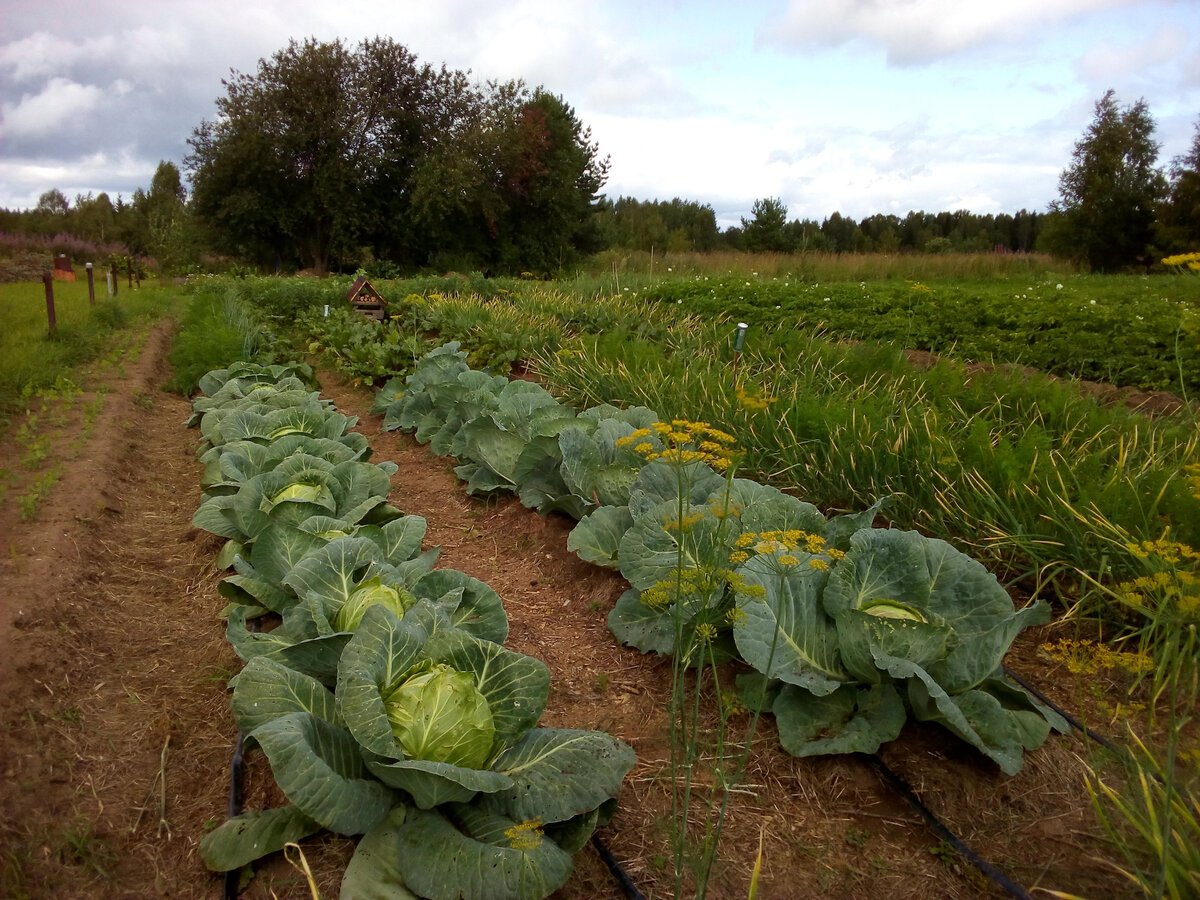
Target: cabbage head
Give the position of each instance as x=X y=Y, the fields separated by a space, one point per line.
x=440 y=715
x=301 y=492
x=370 y=593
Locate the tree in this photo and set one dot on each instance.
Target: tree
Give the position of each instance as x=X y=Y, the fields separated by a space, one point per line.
x=95 y=217
x=843 y=234
x=516 y=190
x=53 y=202
x=314 y=152
x=677 y=226
x=1110 y=189
x=764 y=231
x=1179 y=216
x=331 y=152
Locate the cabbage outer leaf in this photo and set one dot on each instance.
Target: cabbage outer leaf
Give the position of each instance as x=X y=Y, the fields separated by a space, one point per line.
x=559 y=773
x=266 y=689
x=472 y=856
x=319 y=768
x=245 y=838
x=850 y=720
x=374 y=870
x=790 y=619
x=597 y=537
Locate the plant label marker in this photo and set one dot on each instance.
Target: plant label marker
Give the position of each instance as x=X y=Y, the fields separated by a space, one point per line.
x=48 y=281
x=739 y=341
x=327 y=310
x=91 y=284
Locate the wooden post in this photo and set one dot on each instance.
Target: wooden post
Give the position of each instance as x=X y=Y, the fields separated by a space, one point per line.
x=91 y=285
x=112 y=271
x=129 y=270
x=48 y=281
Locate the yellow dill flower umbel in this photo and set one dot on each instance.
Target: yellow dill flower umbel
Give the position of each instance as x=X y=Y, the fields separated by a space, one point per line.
x=525 y=835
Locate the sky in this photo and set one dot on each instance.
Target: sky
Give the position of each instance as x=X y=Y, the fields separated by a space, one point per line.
x=855 y=106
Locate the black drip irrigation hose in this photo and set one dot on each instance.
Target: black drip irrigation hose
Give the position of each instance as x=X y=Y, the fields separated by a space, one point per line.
x=237 y=782
x=237 y=791
x=896 y=783
x=614 y=866
x=1071 y=720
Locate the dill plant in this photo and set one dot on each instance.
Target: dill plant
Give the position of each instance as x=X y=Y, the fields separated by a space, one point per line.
x=700 y=592
x=1154 y=820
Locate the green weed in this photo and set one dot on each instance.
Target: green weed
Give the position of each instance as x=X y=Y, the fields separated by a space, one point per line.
x=38 y=491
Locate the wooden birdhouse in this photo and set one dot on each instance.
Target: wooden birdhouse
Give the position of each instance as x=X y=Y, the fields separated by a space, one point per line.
x=368 y=301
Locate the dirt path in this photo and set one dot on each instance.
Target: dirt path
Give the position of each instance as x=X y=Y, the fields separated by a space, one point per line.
x=117 y=733
x=113 y=672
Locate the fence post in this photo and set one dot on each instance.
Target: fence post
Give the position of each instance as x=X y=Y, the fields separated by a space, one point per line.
x=113 y=284
x=48 y=281
x=129 y=271
x=91 y=284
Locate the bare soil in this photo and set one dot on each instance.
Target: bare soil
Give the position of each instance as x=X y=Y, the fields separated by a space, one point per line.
x=117 y=736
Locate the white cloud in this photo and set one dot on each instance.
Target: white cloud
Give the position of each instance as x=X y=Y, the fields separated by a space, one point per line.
x=22 y=181
x=54 y=108
x=1112 y=61
x=918 y=31
x=38 y=55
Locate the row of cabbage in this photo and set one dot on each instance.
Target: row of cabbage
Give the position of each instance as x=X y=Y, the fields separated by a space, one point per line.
x=384 y=699
x=847 y=629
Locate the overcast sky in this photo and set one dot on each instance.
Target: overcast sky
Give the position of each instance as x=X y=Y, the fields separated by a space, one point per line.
x=858 y=106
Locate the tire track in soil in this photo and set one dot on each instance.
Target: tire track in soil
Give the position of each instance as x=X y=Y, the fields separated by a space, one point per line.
x=115 y=663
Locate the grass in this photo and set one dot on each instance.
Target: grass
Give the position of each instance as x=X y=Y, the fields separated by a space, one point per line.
x=612 y=271
x=218 y=329
x=1011 y=468
x=43 y=376
x=31 y=359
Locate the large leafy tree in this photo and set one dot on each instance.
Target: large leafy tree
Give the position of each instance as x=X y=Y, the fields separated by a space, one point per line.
x=1109 y=192
x=156 y=224
x=677 y=225
x=515 y=189
x=336 y=152
x=312 y=154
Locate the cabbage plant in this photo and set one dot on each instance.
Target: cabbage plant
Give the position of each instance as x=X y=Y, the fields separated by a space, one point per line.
x=324 y=594
x=298 y=488
x=842 y=658
x=428 y=746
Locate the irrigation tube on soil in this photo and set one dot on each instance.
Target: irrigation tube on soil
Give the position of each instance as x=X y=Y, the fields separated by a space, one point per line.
x=237 y=774
x=896 y=783
x=1075 y=723
x=614 y=866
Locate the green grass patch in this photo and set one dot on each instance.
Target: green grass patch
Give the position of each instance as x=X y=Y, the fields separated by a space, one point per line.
x=31 y=358
x=225 y=322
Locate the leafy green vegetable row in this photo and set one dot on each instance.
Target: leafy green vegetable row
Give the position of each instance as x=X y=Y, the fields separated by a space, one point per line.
x=849 y=629
x=383 y=699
